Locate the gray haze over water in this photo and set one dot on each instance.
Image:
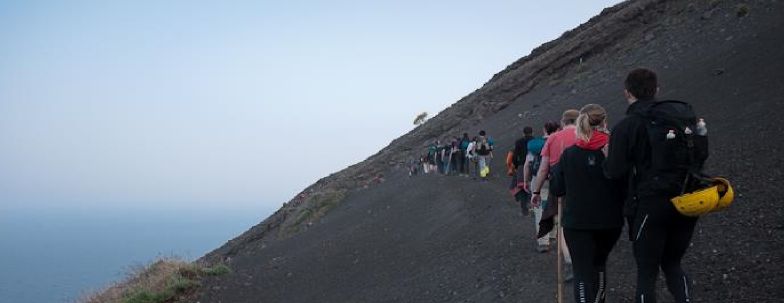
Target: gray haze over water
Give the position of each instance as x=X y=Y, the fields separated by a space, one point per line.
x=56 y=257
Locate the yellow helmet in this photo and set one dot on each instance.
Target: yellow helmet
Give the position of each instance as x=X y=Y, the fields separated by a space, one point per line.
x=716 y=197
x=726 y=193
x=485 y=171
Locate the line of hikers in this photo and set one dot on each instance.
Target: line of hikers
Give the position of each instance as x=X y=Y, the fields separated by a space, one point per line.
x=456 y=157
x=596 y=180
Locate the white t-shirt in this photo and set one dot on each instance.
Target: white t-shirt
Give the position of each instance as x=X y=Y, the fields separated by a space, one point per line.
x=470 y=149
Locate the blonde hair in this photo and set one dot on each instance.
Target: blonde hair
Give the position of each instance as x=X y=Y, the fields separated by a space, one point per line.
x=591 y=117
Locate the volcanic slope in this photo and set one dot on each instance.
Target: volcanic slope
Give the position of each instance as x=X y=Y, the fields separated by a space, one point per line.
x=370 y=233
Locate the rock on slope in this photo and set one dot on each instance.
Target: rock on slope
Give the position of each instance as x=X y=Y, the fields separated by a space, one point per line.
x=371 y=234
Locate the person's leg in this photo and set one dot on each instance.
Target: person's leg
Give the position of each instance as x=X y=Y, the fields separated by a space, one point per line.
x=678 y=239
x=543 y=242
x=458 y=163
x=461 y=163
x=524 y=199
x=482 y=164
x=585 y=282
x=605 y=241
x=545 y=194
x=444 y=162
x=567 y=255
x=648 y=245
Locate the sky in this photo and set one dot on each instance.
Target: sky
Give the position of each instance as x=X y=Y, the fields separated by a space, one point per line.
x=210 y=105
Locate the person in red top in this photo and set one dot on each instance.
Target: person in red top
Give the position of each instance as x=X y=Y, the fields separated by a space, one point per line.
x=552 y=150
x=551 y=153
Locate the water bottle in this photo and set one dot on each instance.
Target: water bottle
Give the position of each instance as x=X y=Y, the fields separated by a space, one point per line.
x=702 y=129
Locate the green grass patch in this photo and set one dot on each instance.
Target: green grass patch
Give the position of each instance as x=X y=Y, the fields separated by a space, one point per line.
x=163 y=281
x=217 y=270
x=314 y=207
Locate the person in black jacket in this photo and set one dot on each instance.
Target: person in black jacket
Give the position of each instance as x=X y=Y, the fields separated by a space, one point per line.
x=659 y=233
x=593 y=208
x=519 y=153
x=521 y=147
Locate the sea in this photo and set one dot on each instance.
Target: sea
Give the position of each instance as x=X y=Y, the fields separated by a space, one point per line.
x=60 y=256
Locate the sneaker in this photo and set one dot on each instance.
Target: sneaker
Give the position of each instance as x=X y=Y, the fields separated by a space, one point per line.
x=543 y=248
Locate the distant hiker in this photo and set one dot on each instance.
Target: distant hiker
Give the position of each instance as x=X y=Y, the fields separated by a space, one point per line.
x=440 y=158
x=425 y=164
x=645 y=150
x=454 y=159
x=592 y=204
x=413 y=168
x=551 y=153
x=432 y=156
x=515 y=161
x=446 y=155
x=472 y=157
x=531 y=167
x=446 y=152
x=490 y=142
x=464 y=159
x=484 y=152
x=521 y=146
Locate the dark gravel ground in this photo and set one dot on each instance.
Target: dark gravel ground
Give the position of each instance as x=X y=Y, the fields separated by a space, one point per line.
x=442 y=239
x=452 y=239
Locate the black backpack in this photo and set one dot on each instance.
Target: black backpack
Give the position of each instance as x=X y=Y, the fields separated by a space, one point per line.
x=535 y=163
x=521 y=150
x=536 y=153
x=482 y=149
x=677 y=151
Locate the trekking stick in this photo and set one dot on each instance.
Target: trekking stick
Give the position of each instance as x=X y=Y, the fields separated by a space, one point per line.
x=559 y=234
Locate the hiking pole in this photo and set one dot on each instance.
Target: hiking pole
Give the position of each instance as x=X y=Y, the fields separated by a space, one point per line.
x=559 y=255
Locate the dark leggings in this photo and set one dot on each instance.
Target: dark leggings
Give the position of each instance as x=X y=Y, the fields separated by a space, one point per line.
x=661 y=238
x=589 y=249
x=524 y=198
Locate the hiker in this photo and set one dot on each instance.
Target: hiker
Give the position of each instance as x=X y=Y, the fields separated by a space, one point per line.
x=413 y=168
x=448 y=148
x=640 y=152
x=484 y=152
x=432 y=156
x=472 y=158
x=446 y=152
x=515 y=161
x=530 y=168
x=464 y=160
x=551 y=153
x=592 y=204
x=440 y=158
x=491 y=143
x=454 y=158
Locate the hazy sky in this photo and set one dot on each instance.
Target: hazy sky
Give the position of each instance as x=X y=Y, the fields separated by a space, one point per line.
x=233 y=104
